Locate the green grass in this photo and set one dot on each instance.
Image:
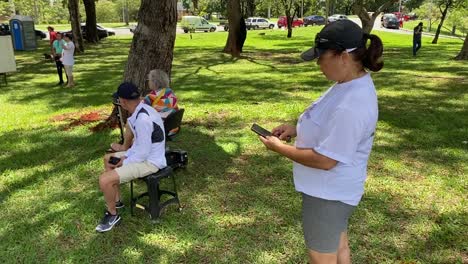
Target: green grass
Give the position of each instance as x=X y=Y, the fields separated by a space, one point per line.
x=446 y=28
x=239 y=202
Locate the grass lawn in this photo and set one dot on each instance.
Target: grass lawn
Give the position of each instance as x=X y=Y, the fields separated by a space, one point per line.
x=239 y=202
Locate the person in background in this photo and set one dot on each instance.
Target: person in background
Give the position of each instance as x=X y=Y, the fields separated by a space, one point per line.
x=52 y=35
x=417 y=32
x=52 y=38
x=334 y=137
x=68 y=60
x=57 y=55
x=161 y=98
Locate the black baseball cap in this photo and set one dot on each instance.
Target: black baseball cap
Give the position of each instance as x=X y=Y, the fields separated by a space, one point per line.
x=339 y=35
x=127 y=90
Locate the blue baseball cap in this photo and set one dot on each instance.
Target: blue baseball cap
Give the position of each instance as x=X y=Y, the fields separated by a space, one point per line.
x=127 y=90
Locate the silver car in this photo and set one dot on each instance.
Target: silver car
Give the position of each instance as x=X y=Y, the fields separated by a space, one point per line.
x=258 y=22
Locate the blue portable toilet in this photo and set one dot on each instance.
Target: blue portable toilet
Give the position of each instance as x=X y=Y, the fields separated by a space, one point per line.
x=23 y=33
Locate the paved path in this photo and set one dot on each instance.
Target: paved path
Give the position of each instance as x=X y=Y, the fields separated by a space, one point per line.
x=377 y=26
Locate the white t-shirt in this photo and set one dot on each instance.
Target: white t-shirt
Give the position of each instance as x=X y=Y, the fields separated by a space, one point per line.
x=149 y=143
x=67 y=53
x=341 y=126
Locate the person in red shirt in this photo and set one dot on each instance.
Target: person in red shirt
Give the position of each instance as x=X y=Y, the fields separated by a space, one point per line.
x=52 y=34
x=52 y=38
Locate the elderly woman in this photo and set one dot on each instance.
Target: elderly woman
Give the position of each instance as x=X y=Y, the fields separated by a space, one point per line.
x=161 y=98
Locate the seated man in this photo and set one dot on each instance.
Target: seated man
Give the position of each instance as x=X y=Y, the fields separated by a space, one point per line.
x=161 y=98
x=146 y=156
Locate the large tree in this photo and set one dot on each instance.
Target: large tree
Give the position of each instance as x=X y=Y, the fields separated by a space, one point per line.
x=291 y=9
x=361 y=8
x=463 y=55
x=91 y=29
x=74 y=11
x=153 y=40
x=237 y=30
x=444 y=7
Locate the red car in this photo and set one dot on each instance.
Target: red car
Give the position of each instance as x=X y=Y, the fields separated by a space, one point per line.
x=283 y=23
x=402 y=16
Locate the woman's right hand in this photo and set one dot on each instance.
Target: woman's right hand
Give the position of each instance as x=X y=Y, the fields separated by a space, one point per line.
x=284 y=132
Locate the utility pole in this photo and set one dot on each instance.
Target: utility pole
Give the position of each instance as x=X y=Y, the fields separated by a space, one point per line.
x=125 y=12
x=36 y=12
x=302 y=9
x=327 y=10
x=269 y=9
x=12 y=4
x=430 y=17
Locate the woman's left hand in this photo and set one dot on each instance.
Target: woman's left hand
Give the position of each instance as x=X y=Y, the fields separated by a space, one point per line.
x=271 y=142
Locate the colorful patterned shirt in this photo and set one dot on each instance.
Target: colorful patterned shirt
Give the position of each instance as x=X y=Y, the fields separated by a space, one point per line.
x=163 y=100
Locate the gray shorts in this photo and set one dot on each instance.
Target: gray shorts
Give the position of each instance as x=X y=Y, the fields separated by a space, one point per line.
x=323 y=221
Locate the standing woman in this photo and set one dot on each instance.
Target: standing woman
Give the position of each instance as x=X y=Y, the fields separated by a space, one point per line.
x=334 y=138
x=67 y=58
x=417 y=32
x=57 y=54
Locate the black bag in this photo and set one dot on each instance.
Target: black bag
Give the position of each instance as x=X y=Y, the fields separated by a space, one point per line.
x=177 y=158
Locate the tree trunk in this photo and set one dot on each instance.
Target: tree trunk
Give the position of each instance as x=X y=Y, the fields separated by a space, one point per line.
x=74 y=12
x=91 y=30
x=233 y=46
x=250 y=8
x=125 y=13
x=289 y=22
x=290 y=5
x=366 y=20
x=153 y=41
x=463 y=55
x=444 y=13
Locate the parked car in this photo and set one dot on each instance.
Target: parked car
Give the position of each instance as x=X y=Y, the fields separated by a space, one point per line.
x=102 y=32
x=314 y=20
x=5 y=30
x=196 y=23
x=224 y=24
x=336 y=17
x=390 y=21
x=283 y=23
x=402 y=16
x=110 y=32
x=132 y=28
x=258 y=22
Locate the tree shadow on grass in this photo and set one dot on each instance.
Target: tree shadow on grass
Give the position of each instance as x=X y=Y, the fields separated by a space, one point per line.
x=27 y=151
x=62 y=221
x=388 y=231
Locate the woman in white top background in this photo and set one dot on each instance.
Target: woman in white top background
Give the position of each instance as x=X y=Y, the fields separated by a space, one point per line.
x=68 y=59
x=334 y=137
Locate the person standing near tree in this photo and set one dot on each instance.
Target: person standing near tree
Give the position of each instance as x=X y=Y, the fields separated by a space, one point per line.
x=417 y=32
x=334 y=137
x=57 y=55
x=52 y=35
x=68 y=59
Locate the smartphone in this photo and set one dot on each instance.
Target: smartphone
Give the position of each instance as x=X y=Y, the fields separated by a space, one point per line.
x=114 y=160
x=260 y=130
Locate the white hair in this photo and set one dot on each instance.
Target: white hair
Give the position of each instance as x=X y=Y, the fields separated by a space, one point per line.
x=159 y=78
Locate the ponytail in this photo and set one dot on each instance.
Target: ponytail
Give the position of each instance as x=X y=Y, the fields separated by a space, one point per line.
x=371 y=56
